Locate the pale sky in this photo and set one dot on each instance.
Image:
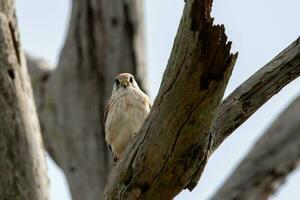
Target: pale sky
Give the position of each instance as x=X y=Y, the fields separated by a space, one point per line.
x=259 y=29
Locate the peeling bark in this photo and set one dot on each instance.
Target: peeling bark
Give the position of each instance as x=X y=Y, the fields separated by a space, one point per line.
x=174 y=142
x=22 y=161
x=274 y=156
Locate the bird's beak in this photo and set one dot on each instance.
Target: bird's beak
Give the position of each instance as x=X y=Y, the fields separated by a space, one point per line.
x=125 y=83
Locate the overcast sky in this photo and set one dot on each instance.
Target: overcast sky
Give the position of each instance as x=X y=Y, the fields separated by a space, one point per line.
x=259 y=30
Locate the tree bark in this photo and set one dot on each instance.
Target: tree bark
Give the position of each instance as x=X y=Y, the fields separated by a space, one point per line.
x=255 y=91
x=252 y=94
x=40 y=71
x=234 y=110
x=105 y=38
x=272 y=158
x=173 y=144
x=22 y=160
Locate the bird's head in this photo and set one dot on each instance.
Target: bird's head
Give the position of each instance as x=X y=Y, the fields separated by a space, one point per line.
x=125 y=80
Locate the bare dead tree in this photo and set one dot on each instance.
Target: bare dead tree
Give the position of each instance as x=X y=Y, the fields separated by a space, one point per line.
x=22 y=160
x=255 y=91
x=271 y=160
x=172 y=148
x=104 y=38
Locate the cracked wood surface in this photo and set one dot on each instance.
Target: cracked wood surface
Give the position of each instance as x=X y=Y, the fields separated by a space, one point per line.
x=104 y=38
x=22 y=160
x=270 y=161
x=173 y=144
x=255 y=91
x=252 y=94
x=273 y=77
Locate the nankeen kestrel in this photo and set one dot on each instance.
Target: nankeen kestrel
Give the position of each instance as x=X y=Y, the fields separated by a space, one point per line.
x=125 y=113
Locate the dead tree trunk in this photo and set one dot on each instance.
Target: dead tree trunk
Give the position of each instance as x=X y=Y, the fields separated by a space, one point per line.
x=172 y=148
x=274 y=156
x=173 y=145
x=254 y=92
x=22 y=161
x=105 y=38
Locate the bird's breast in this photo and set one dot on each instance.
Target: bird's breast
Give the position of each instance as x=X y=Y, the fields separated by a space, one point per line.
x=127 y=114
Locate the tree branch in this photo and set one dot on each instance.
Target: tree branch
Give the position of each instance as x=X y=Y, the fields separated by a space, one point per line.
x=40 y=72
x=22 y=160
x=173 y=143
x=255 y=91
x=252 y=94
x=104 y=38
x=272 y=158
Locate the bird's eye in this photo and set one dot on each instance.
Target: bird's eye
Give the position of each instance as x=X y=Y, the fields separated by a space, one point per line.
x=131 y=79
x=117 y=81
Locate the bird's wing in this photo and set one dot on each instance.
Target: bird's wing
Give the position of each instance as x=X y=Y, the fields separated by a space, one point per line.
x=148 y=102
x=150 y=105
x=106 y=110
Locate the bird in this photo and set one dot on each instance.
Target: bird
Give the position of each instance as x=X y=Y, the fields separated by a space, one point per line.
x=125 y=113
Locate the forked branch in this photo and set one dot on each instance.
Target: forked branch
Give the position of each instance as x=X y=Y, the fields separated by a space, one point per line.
x=274 y=156
x=175 y=140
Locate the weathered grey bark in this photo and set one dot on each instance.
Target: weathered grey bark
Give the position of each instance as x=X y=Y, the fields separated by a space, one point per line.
x=272 y=158
x=173 y=144
x=62 y=117
x=105 y=38
x=40 y=71
x=254 y=92
x=232 y=112
x=22 y=162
